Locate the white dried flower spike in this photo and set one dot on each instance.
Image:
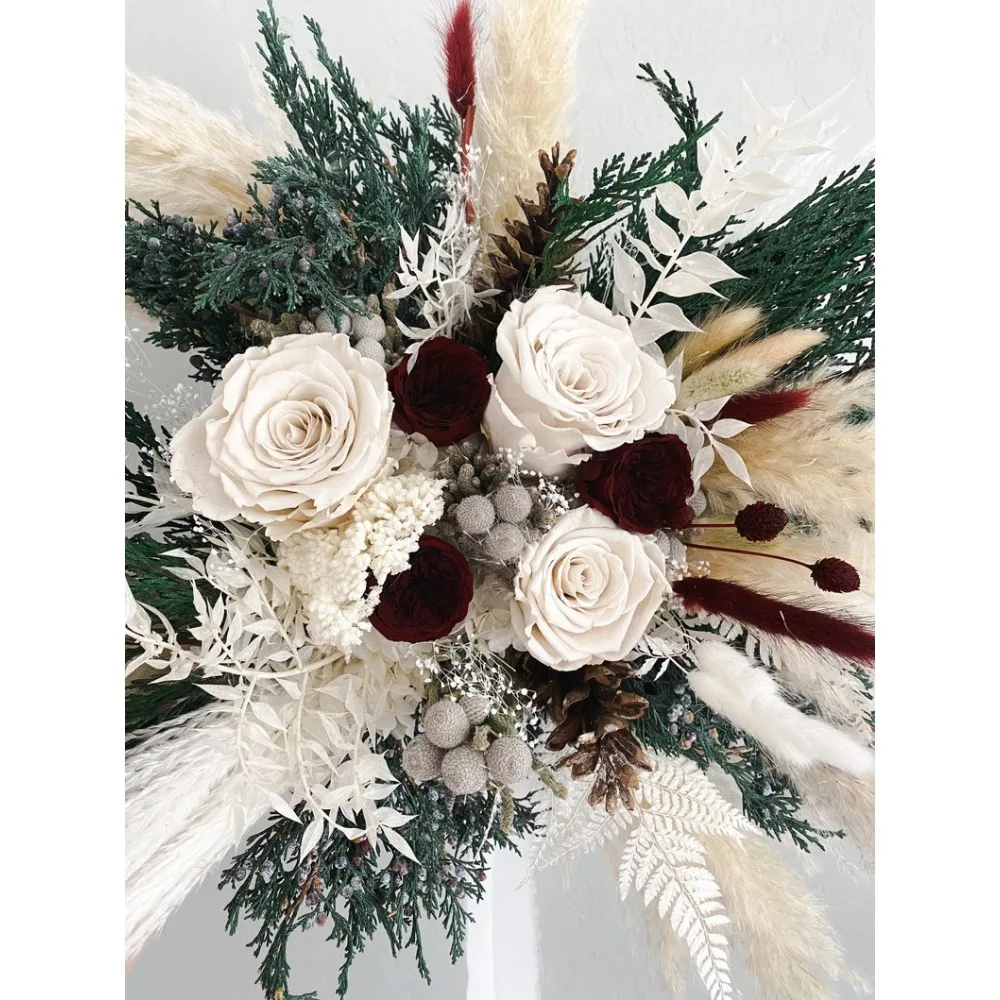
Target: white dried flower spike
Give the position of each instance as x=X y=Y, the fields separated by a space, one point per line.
x=463 y=771
x=508 y=760
x=445 y=724
x=422 y=760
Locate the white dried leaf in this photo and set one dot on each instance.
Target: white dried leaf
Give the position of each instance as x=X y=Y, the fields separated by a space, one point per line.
x=728 y=427
x=702 y=462
x=681 y=284
x=629 y=279
x=674 y=201
x=706 y=266
x=672 y=317
x=733 y=462
x=663 y=237
x=709 y=408
x=311 y=835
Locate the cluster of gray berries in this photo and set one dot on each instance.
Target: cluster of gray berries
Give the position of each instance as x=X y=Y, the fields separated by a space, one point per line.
x=456 y=747
x=371 y=336
x=489 y=515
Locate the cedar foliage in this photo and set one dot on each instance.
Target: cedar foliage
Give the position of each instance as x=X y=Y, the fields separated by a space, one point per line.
x=342 y=885
x=814 y=267
x=327 y=236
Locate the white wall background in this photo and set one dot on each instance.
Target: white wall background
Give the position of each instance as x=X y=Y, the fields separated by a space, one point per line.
x=564 y=937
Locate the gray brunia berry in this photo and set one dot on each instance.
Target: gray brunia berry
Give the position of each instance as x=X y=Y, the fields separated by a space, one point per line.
x=445 y=724
x=463 y=771
x=475 y=515
x=476 y=707
x=422 y=760
x=505 y=542
x=513 y=503
x=508 y=760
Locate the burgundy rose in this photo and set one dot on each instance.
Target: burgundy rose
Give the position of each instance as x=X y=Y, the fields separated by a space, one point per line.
x=427 y=600
x=446 y=393
x=642 y=486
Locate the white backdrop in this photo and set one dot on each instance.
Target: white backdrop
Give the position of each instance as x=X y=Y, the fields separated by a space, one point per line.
x=564 y=936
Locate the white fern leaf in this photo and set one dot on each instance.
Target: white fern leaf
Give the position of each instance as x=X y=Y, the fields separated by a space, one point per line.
x=574 y=828
x=679 y=796
x=692 y=900
x=669 y=869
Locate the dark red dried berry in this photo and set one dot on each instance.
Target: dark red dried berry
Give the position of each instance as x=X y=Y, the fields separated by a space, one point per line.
x=760 y=522
x=836 y=576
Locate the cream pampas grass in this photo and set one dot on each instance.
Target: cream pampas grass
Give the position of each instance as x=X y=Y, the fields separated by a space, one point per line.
x=822 y=678
x=723 y=328
x=812 y=461
x=525 y=89
x=791 y=949
x=194 y=161
x=750 y=698
x=839 y=801
x=746 y=368
x=186 y=805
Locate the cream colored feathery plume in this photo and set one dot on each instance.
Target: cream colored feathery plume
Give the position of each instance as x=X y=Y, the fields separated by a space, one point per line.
x=791 y=949
x=812 y=461
x=840 y=801
x=752 y=700
x=526 y=85
x=193 y=161
x=723 y=328
x=746 y=368
x=186 y=804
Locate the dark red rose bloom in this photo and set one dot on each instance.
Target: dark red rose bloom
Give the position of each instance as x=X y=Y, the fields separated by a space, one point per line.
x=446 y=393
x=427 y=600
x=643 y=486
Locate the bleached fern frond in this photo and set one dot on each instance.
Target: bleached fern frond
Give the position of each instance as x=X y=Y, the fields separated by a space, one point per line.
x=574 y=828
x=670 y=869
x=678 y=797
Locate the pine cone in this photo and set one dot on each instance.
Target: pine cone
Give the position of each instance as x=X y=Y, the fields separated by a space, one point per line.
x=593 y=714
x=517 y=258
x=519 y=249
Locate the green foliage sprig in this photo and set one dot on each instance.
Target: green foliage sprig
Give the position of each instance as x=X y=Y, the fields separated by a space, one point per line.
x=327 y=235
x=355 y=891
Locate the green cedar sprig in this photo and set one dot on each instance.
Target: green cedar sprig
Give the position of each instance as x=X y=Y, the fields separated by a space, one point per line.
x=344 y=886
x=328 y=234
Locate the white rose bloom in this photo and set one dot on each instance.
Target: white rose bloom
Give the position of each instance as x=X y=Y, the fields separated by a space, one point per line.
x=572 y=381
x=586 y=591
x=294 y=434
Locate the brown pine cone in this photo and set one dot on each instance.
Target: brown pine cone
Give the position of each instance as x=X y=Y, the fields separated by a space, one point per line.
x=593 y=714
x=516 y=256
